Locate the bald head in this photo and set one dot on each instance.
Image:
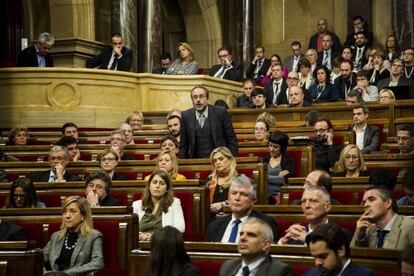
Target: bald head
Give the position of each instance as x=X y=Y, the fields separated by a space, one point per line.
x=319 y=178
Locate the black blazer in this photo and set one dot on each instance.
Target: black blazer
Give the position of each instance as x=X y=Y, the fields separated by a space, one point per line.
x=336 y=46
x=119 y=176
x=101 y=61
x=320 y=57
x=350 y=39
x=343 y=89
x=329 y=94
x=221 y=129
x=244 y=101
x=371 y=138
x=286 y=163
x=262 y=71
x=44 y=176
x=110 y=201
x=11 y=232
x=216 y=229
x=380 y=75
x=28 y=58
x=235 y=73
x=159 y=70
x=281 y=99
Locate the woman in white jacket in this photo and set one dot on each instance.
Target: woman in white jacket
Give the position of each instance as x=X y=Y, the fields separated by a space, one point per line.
x=158 y=207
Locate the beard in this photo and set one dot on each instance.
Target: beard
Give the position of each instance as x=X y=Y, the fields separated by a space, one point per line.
x=321 y=139
x=334 y=271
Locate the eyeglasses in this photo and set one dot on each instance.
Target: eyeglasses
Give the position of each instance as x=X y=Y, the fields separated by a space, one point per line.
x=96 y=186
x=107 y=159
x=22 y=196
x=58 y=158
x=321 y=130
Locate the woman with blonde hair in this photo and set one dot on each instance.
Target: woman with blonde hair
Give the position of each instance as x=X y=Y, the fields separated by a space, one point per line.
x=167 y=161
x=351 y=163
x=76 y=248
x=158 y=207
x=185 y=64
x=218 y=182
x=386 y=96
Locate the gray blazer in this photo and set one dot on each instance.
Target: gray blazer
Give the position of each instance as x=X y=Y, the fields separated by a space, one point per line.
x=268 y=267
x=87 y=255
x=400 y=236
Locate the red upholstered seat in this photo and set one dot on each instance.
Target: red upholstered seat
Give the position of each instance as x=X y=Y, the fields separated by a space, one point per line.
x=186 y=199
x=51 y=200
x=295 y=195
x=3 y=198
x=201 y=71
x=297 y=156
x=122 y=196
x=345 y=197
x=33 y=231
x=299 y=270
x=247 y=171
x=350 y=225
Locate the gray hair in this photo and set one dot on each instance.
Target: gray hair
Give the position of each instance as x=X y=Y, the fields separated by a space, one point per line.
x=316 y=188
x=46 y=38
x=59 y=148
x=267 y=233
x=119 y=132
x=243 y=180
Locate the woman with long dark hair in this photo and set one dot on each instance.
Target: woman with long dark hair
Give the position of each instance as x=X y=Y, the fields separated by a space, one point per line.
x=23 y=195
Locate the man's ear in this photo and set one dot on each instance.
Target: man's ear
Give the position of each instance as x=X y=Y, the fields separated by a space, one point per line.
x=342 y=251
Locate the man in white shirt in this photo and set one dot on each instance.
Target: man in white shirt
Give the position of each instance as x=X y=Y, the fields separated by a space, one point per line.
x=291 y=62
x=367 y=136
x=254 y=245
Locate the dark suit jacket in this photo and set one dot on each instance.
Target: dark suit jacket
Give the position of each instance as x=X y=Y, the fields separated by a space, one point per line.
x=351 y=270
x=262 y=71
x=344 y=89
x=101 y=61
x=380 y=75
x=159 y=71
x=402 y=81
x=235 y=73
x=268 y=89
x=244 y=101
x=329 y=94
x=28 y=58
x=288 y=62
x=44 y=176
x=119 y=176
x=11 y=232
x=221 y=129
x=110 y=201
x=269 y=267
x=371 y=139
x=313 y=41
x=216 y=229
x=320 y=57
x=350 y=39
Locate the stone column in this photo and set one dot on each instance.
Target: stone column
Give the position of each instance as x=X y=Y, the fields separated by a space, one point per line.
x=150 y=35
x=247 y=32
x=124 y=21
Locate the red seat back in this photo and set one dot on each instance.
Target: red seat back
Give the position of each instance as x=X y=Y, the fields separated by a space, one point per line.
x=51 y=200
x=297 y=156
x=33 y=231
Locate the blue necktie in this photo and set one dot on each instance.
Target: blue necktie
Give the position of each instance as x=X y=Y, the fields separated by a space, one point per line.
x=381 y=234
x=246 y=271
x=234 y=229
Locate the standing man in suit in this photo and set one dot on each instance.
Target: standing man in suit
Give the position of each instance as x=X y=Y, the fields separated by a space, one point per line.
x=254 y=245
x=359 y=26
x=380 y=226
x=115 y=57
x=259 y=65
x=58 y=160
x=275 y=87
x=315 y=42
x=165 y=63
x=329 y=246
x=367 y=136
x=205 y=127
x=291 y=62
x=227 y=69
x=37 y=55
x=242 y=196
x=326 y=56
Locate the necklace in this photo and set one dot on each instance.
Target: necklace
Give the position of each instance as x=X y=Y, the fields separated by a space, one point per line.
x=69 y=247
x=411 y=72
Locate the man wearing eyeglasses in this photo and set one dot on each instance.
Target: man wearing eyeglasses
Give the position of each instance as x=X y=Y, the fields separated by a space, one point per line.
x=116 y=57
x=227 y=69
x=326 y=152
x=98 y=186
x=58 y=160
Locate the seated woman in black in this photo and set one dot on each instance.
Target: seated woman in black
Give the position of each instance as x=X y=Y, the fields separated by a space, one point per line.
x=322 y=90
x=280 y=166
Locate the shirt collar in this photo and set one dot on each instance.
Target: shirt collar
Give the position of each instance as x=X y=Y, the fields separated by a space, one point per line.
x=205 y=113
x=360 y=130
x=390 y=223
x=253 y=266
x=345 y=266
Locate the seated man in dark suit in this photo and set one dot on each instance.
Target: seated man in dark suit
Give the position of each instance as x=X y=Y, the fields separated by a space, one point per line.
x=227 y=69
x=115 y=57
x=397 y=79
x=98 y=185
x=242 y=196
x=297 y=97
x=165 y=63
x=58 y=160
x=37 y=55
x=254 y=244
x=11 y=232
x=259 y=65
x=328 y=244
x=326 y=56
x=347 y=80
x=245 y=99
x=367 y=136
x=316 y=204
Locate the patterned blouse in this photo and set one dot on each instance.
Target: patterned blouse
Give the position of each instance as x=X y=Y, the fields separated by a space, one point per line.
x=177 y=68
